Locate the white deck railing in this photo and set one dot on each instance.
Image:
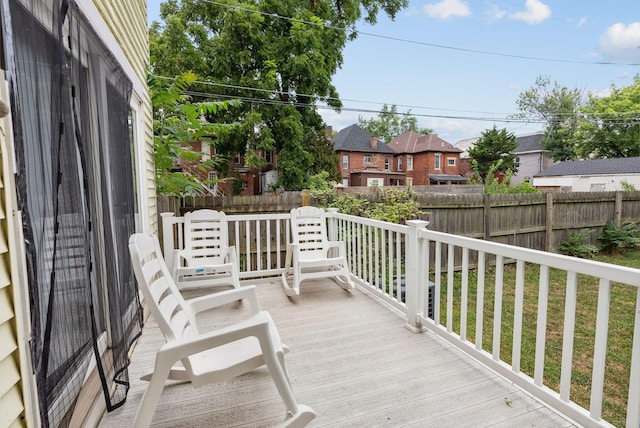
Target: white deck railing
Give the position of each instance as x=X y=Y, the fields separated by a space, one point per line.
x=440 y=281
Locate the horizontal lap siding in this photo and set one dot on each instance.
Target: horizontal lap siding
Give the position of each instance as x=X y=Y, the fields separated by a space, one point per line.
x=127 y=20
x=11 y=398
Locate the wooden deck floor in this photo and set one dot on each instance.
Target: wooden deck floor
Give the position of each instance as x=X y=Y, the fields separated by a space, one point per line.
x=352 y=361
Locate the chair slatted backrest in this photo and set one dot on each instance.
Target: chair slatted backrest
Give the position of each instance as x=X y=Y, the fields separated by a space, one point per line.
x=309 y=231
x=206 y=237
x=159 y=290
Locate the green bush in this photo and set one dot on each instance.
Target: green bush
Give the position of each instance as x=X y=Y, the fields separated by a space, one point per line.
x=576 y=246
x=618 y=238
x=395 y=206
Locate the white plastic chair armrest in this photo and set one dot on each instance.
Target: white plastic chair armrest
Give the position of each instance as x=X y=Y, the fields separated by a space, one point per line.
x=210 y=301
x=258 y=326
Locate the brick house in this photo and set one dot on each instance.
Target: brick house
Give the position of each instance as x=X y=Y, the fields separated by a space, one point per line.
x=426 y=159
x=365 y=161
x=248 y=181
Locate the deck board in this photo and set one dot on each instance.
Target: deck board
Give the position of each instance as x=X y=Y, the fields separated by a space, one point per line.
x=352 y=361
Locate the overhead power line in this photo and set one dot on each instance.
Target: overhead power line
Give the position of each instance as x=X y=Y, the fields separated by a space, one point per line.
x=490 y=116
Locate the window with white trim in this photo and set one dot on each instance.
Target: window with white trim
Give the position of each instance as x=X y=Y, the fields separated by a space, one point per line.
x=367 y=159
x=399 y=163
x=409 y=163
x=451 y=161
x=436 y=164
x=345 y=161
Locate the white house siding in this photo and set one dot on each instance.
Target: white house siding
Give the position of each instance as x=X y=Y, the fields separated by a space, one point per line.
x=12 y=400
x=127 y=22
x=582 y=183
x=530 y=164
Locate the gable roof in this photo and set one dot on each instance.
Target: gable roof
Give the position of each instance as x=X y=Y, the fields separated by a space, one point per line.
x=593 y=167
x=355 y=139
x=529 y=143
x=465 y=145
x=412 y=142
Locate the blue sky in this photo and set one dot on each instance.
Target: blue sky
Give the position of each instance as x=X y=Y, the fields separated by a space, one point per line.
x=438 y=68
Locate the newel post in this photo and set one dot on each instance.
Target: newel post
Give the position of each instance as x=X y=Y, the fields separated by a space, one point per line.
x=416 y=275
x=333 y=224
x=167 y=239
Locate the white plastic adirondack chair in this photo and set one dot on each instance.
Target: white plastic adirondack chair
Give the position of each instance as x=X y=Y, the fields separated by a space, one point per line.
x=311 y=254
x=215 y=356
x=207 y=259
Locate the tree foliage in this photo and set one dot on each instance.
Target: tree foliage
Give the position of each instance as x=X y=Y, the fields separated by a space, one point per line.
x=493 y=152
x=390 y=123
x=178 y=121
x=609 y=126
x=278 y=56
x=557 y=106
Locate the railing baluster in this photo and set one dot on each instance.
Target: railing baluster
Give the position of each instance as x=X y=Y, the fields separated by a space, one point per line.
x=567 y=337
x=633 y=409
x=497 y=308
x=278 y=248
x=258 y=247
x=376 y=252
x=464 y=294
x=369 y=253
x=268 y=242
x=247 y=242
x=480 y=300
x=450 y=257
x=517 y=318
x=399 y=256
x=600 y=349
x=383 y=262
x=438 y=281
x=541 y=325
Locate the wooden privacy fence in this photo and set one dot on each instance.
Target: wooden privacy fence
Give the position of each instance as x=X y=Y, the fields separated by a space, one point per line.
x=538 y=221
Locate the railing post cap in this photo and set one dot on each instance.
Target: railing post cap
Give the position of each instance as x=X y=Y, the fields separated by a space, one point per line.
x=332 y=210
x=417 y=224
x=167 y=214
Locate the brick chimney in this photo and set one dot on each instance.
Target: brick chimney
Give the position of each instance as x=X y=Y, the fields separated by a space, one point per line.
x=374 y=143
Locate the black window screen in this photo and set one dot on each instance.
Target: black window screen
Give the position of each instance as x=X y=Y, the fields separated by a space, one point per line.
x=70 y=101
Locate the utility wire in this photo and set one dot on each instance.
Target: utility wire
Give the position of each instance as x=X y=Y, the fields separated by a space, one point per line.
x=266 y=101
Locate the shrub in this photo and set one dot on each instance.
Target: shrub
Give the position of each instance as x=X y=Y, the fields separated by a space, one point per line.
x=618 y=238
x=576 y=246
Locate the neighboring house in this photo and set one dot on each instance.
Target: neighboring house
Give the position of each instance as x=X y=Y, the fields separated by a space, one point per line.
x=365 y=161
x=240 y=179
x=530 y=156
x=426 y=159
x=77 y=175
x=466 y=169
x=590 y=175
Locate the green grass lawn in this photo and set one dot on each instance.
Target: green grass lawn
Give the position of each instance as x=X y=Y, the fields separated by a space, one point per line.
x=621 y=320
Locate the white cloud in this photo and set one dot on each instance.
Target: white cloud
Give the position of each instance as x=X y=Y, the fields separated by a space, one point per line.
x=493 y=13
x=446 y=9
x=621 y=42
x=581 y=22
x=535 y=12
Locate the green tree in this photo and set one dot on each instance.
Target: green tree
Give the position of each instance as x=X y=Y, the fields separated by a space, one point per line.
x=279 y=56
x=321 y=149
x=610 y=126
x=492 y=152
x=178 y=121
x=390 y=123
x=557 y=106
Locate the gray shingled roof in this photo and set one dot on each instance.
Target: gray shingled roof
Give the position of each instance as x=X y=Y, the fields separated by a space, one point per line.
x=593 y=167
x=529 y=143
x=412 y=142
x=355 y=139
